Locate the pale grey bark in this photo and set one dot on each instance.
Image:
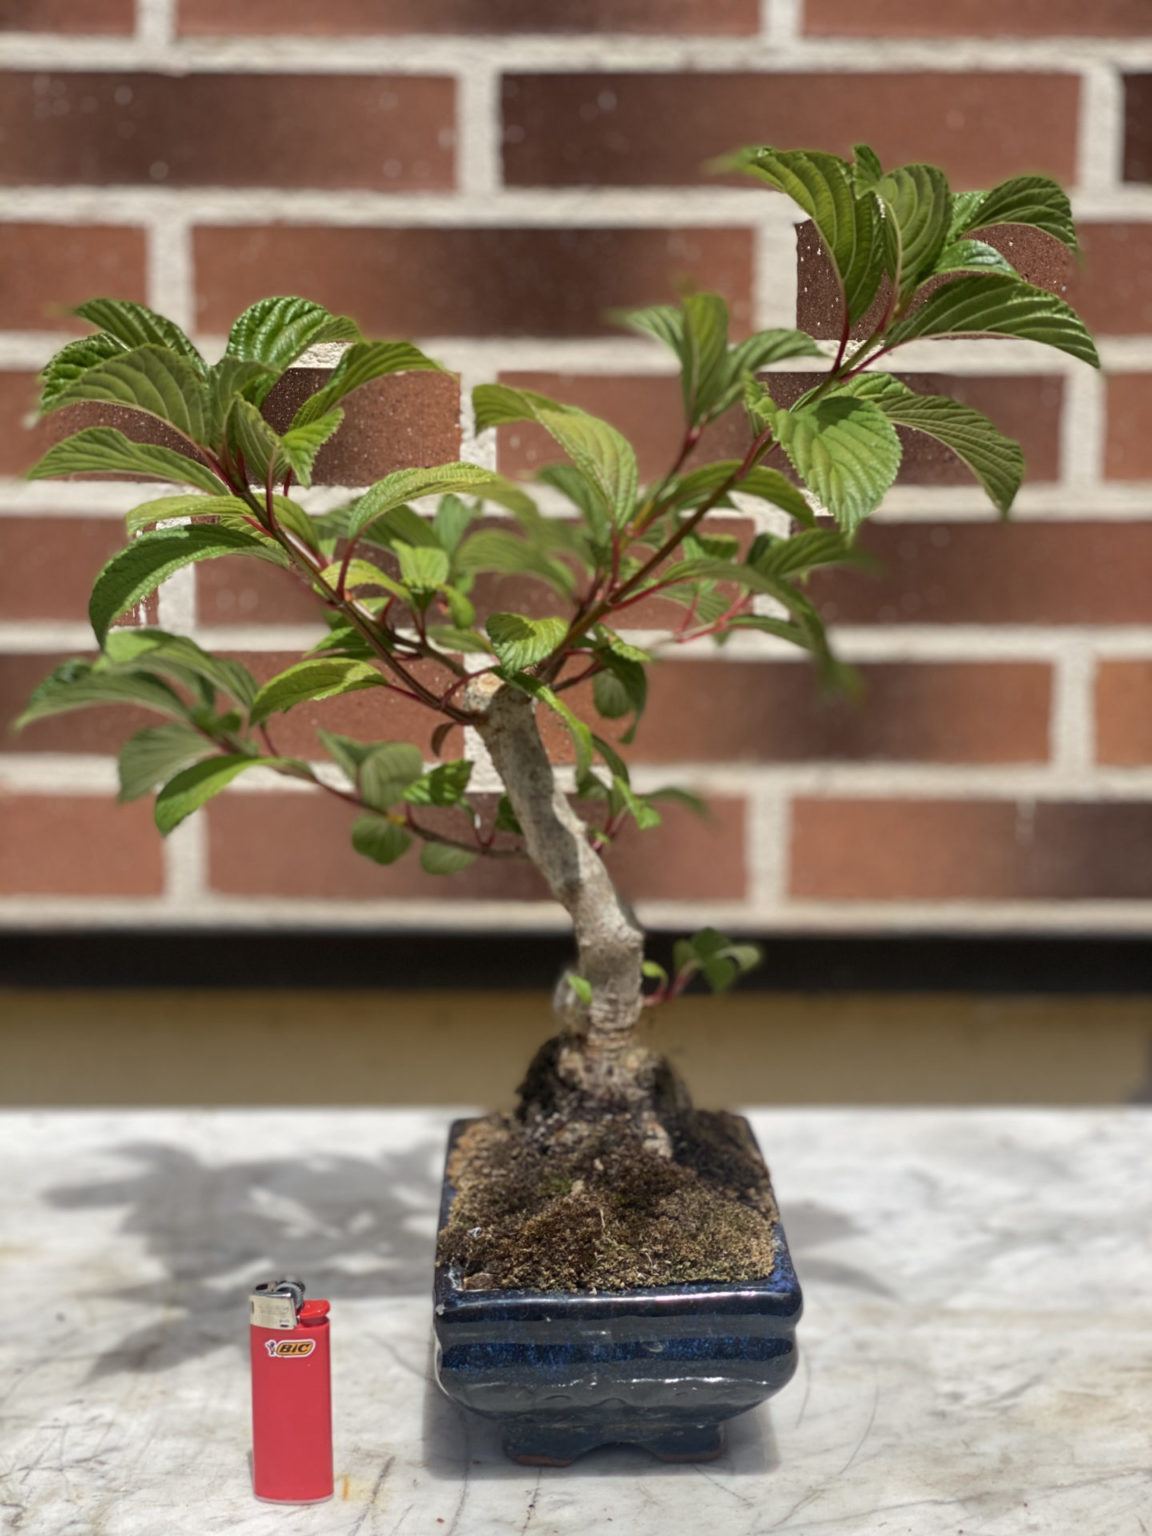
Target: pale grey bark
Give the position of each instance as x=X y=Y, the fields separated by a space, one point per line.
x=609 y=943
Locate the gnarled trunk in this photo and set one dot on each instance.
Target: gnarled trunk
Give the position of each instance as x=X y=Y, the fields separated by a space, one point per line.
x=609 y=943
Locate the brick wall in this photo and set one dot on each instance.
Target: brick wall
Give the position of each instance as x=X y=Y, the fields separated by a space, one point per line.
x=489 y=176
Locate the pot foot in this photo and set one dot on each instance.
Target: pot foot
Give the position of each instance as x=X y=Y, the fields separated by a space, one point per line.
x=539 y=1445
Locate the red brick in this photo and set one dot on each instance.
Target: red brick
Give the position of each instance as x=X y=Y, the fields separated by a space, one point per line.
x=992 y=573
x=47 y=269
x=78 y=845
x=48 y=564
x=469 y=282
x=82 y=16
x=775 y=712
x=970 y=850
x=207 y=18
x=1115 y=293
x=1039 y=258
x=1124 y=713
x=384 y=133
x=661 y=129
x=99 y=731
x=1128 y=444
x=1138 y=126
x=399 y=422
x=976 y=18
x=252 y=592
x=297 y=845
x=21 y=440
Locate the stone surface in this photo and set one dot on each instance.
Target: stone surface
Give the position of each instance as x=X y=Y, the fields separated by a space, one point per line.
x=974 y=1355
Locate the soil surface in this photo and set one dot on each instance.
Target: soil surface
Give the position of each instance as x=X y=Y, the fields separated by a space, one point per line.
x=594 y=1206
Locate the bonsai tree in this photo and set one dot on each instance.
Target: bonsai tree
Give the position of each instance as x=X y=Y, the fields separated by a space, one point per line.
x=398 y=586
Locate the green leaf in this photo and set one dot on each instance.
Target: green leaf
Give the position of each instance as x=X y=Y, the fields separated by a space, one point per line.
x=229 y=378
x=440 y=859
x=78 y=685
x=405 y=484
x=300 y=445
x=153 y=756
x=597 y=449
x=520 y=642
x=767 y=347
x=252 y=438
x=620 y=689
x=153 y=557
x=972 y=256
x=1034 y=200
x=866 y=169
x=721 y=961
x=157 y=650
x=508 y=554
x=66 y=366
x=135 y=326
x=386 y=771
x=993 y=304
x=849 y=225
x=377 y=838
x=644 y=815
x=581 y=986
x=449 y=638
x=173 y=508
x=700 y=485
x=845 y=450
x=277 y=330
x=363 y=362
x=997 y=461
x=319 y=679
x=442 y=785
x=189 y=790
x=152 y=380
x=453 y=519
x=801 y=553
x=404 y=526
x=362 y=573
x=424 y=570
x=506 y=818
x=105 y=451
x=919 y=207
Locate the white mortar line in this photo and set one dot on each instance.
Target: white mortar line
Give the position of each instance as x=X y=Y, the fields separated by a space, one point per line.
x=780 y=22
x=478 y=130
x=778 y=51
x=766 y=836
x=1101 y=148
x=156 y=23
x=1083 y=428
x=1072 y=727
x=185 y=857
x=171 y=284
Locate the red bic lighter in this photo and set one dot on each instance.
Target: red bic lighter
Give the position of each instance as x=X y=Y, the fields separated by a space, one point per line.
x=291 y=1395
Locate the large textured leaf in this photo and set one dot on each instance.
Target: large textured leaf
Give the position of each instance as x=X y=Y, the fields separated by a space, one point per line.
x=363 y=362
x=230 y=377
x=154 y=756
x=153 y=557
x=300 y=445
x=699 y=485
x=252 y=440
x=188 y=791
x=405 y=484
x=105 y=451
x=604 y=456
x=441 y=859
x=78 y=685
x=136 y=326
x=66 y=366
x=507 y=553
x=997 y=461
x=157 y=650
x=849 y=225
x=379 y=839
x=149 y=379
x=846 y=452
x=175 y=508
x=1034 y=200
x=767 y=347
x=320 y=679
x=422 y=569
x=919 y=209
x=277 y=330
x=520 y=642
x=993 y=304
x=973 y=256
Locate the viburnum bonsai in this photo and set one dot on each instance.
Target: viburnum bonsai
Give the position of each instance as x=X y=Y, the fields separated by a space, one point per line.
x=396 y=585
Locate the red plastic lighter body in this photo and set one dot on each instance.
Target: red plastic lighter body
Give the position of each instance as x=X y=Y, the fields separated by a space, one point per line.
x=292 y=1408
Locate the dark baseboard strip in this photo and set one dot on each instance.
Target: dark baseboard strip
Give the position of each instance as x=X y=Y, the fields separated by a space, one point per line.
x=1010 y=963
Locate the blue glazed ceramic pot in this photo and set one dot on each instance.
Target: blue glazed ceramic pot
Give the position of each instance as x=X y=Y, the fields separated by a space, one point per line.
x=660 y=1367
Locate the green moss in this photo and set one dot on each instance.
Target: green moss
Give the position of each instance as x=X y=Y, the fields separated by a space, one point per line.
x=594 y=1208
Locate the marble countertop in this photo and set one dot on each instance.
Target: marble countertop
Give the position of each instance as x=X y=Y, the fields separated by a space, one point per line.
x=976 y=1354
